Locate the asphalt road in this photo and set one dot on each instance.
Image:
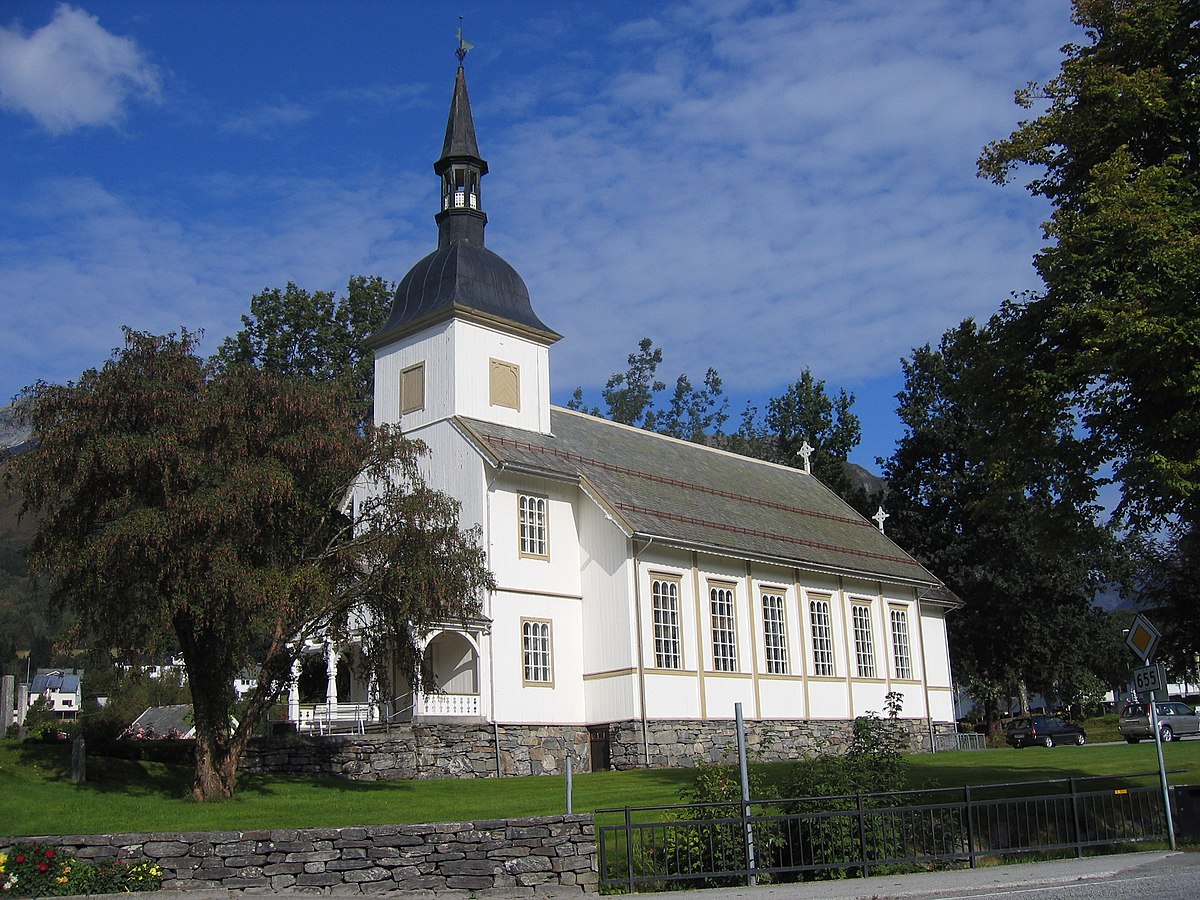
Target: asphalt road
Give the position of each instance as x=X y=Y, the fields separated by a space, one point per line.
x=1161 y=875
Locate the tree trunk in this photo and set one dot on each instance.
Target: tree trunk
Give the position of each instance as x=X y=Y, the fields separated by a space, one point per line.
x=216 y=771
x=219 y=743
x=993 y=722
x=210 y=677
x=1023 y=696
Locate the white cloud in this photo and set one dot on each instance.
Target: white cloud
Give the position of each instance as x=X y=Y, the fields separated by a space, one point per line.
x=267 y=120
x=761 y=191
x=72 y=73
x=89 y=261
x=758 y=187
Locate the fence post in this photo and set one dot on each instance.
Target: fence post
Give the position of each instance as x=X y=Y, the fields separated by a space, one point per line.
x=568 y=760
x=1075 y=818
x=862 y=836
x=970 y=824
x=629 y=848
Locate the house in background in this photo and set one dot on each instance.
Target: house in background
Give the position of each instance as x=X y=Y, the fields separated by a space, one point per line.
x=61 y=688
x=159 y=722
x=646 y=585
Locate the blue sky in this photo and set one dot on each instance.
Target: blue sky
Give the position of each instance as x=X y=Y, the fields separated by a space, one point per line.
x=757 y=186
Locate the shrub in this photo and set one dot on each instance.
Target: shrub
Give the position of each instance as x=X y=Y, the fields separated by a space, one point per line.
x=709 y=836
x=873 y=764
x=40 y=717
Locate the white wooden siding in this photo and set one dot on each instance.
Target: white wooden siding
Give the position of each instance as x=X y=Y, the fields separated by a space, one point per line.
x=606 y=583
x=457 y=357
x=518 y=702
x=559 y=571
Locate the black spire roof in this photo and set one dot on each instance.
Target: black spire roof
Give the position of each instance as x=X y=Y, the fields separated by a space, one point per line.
x=460 y=126
x=461 y=278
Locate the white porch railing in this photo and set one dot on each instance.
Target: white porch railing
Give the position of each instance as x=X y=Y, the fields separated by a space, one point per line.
x=358 y=718
x=325 y=718
x=447 y=705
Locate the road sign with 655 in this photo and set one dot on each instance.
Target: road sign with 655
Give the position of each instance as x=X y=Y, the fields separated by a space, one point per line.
x=1148 y=678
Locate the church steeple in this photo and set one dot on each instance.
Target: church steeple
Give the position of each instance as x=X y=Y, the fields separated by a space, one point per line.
x=462 y=338
x=461 y=168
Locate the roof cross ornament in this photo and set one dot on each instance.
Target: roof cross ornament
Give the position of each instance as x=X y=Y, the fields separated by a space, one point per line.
x=464 y=47
x=806 y=451
x=880 y=517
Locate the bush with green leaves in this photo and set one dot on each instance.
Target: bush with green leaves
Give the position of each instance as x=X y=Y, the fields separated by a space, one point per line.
x=710 y=835
x=873 y=764
x=40 y=716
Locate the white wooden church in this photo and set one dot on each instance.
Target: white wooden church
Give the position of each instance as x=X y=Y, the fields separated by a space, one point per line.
x=645 y=584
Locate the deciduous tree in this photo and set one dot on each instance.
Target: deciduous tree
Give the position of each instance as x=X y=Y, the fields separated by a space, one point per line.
x=692 y=414
x=806 y=413
x=1015 y=535
x=629 y=395
x=298 y=334
x=1116 y=151
x=1168 y=588
x=204 y=506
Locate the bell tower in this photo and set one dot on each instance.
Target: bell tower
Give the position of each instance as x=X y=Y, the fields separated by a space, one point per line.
x=462 y=338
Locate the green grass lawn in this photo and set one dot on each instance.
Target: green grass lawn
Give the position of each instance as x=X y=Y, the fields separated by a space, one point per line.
x=37 y=797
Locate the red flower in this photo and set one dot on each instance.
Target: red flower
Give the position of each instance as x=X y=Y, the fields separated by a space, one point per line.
x=49 y=854
x=42 y=867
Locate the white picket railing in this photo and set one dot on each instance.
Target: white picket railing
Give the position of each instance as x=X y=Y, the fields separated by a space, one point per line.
x=448 y=704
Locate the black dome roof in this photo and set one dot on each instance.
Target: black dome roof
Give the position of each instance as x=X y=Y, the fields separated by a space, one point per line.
x=461 y=278
x=466 y=280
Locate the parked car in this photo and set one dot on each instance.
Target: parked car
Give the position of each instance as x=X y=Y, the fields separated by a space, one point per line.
x=1174 y=721
x=1044 y=730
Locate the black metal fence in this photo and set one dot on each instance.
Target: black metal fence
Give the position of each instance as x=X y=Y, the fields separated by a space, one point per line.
x=716 y=844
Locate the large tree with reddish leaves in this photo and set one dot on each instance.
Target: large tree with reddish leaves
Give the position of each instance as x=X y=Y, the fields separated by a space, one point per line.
x=184 y=503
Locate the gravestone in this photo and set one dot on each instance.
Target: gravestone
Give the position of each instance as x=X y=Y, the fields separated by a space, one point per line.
x=8 y=690
x=78 y=761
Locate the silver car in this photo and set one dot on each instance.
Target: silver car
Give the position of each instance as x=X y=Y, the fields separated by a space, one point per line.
x=1174 y=721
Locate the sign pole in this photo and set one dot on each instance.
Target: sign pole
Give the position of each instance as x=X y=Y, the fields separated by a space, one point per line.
x=1162 y=767
x=1143 y=640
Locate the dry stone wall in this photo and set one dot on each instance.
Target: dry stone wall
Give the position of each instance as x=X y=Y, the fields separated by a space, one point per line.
x=548 y=854
x=426 y=750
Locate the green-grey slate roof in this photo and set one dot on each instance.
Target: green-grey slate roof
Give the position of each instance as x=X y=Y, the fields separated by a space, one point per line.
x=702 y=498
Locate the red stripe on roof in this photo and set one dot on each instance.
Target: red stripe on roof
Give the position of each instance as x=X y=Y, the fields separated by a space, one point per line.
x=720 y=526
x=674 y=482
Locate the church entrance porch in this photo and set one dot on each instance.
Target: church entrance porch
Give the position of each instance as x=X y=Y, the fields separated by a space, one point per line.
x=328 y=693
x=452 y=658
x=331 y=692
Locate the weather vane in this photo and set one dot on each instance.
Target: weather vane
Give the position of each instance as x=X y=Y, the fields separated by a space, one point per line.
x=463 y=46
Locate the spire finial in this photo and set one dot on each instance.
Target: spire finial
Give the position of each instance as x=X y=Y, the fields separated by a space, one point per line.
x=880 y=517
x=463 y=46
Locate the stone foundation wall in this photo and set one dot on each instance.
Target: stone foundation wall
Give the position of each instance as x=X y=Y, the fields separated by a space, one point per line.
x=537 y=855
x=457 y=750
x=685 y=743
x=425 y=750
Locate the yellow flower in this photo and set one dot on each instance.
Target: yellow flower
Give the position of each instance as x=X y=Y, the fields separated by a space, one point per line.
x=61 y=879
x=66 y=870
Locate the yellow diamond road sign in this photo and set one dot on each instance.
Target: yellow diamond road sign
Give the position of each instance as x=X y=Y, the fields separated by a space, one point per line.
x=1143 y=638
